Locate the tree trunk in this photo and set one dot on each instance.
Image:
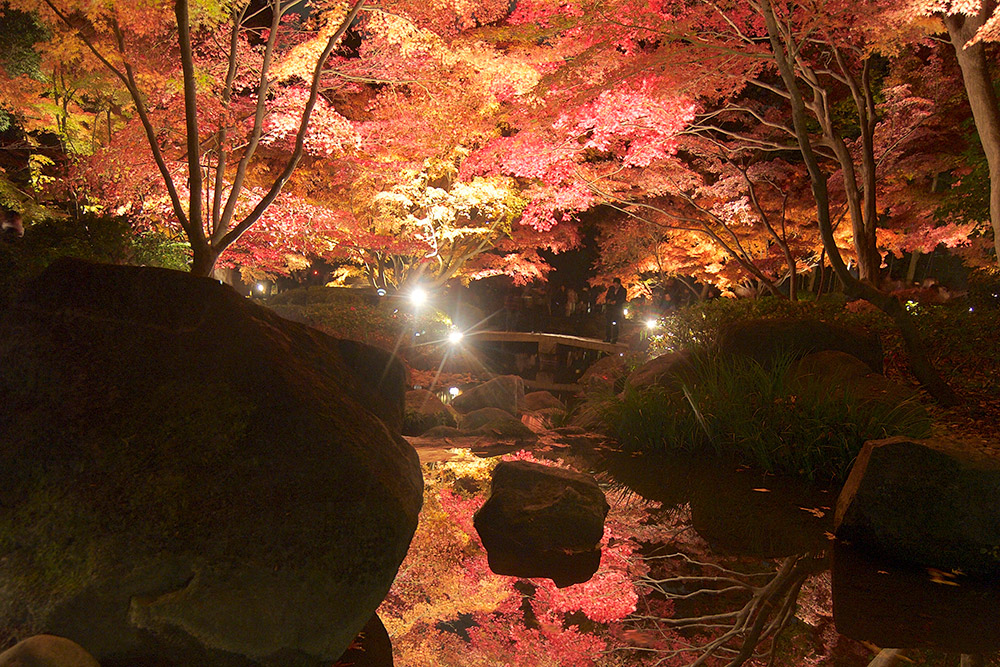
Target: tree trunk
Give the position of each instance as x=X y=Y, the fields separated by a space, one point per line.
x=203 y=262
x=982 y=99
x=919 y=363
x=911 y=271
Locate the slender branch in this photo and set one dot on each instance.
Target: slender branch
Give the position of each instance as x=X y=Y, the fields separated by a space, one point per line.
x=300 y=138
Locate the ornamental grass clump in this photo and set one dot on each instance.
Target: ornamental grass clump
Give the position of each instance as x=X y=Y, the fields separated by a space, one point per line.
x=763 y=415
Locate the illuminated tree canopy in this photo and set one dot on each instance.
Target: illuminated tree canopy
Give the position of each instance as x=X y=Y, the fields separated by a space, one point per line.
x=447 y=139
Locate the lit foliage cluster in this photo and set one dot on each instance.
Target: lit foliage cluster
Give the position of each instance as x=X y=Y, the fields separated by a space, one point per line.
x=447 y=608
x=676 y=123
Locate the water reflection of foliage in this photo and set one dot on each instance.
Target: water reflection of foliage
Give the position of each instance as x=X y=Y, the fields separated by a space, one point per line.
x=715 y=632
x=661 y=597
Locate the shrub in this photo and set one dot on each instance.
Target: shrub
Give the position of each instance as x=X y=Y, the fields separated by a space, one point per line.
x=736 y=408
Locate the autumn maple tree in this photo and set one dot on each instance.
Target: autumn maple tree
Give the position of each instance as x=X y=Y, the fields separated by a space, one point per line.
x=203 y=85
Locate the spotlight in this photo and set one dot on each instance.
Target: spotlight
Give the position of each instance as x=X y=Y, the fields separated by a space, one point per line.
x=625 y=312
x=651 y=324
x=454 y=391
x=381 y=291
x=260 y=287
x=418 y=296
x=455 y=337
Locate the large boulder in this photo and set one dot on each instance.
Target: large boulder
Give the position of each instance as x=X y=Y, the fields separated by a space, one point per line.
x=542 y=521
x=424 y=411
x=923 y=502
x=46 y=651
x=505 y=392
x=371 y=648
x=187 y=478
x=384 y=378
x=765 y=339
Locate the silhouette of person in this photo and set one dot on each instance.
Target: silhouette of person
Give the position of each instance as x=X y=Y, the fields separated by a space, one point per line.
x=614 y=310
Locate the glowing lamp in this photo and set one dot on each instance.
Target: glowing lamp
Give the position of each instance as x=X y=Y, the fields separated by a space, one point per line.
x=455 y=337
x=651 y=324
x=418 y=297
x=454 y=391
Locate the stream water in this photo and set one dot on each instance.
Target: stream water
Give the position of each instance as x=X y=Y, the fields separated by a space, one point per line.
x=748 y=517
x=703 y=564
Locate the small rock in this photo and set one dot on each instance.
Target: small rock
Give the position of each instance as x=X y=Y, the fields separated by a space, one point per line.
x=505 y=392
x=483 y=416
x=541 y=400
x=541 y=521
x=47 y=651
x=424 y=411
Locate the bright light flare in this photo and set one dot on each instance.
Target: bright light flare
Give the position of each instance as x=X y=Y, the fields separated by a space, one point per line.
x=652 y=324
x=455 y=337
x=454 y=391
x=418 y=296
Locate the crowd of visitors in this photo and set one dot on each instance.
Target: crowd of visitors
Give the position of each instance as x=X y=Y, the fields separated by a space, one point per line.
x=587 y=311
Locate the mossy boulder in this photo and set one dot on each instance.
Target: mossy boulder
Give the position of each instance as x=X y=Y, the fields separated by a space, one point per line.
x=840 y=374
x=666 y=370
x=605 y=372
x=188 y=478
x=495 y=423
x=483 y=416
